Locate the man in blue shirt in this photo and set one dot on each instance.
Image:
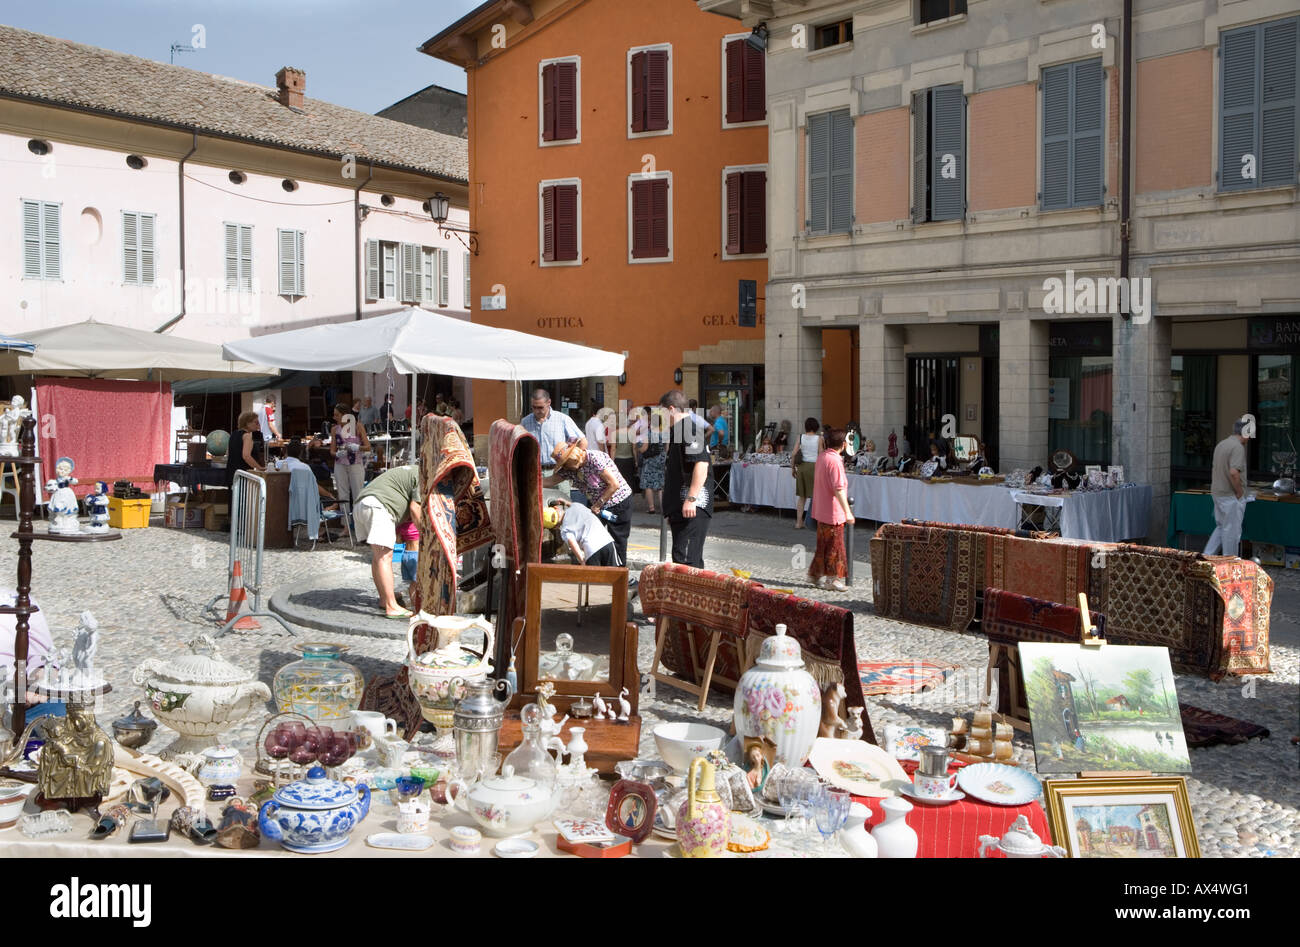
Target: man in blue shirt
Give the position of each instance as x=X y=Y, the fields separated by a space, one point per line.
x=721 y=435
x=551 y=428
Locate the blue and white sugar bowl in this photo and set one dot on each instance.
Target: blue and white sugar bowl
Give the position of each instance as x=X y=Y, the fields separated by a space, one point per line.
x=314 y=815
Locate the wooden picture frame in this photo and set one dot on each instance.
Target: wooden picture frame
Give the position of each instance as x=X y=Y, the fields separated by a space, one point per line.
x=1121 y=817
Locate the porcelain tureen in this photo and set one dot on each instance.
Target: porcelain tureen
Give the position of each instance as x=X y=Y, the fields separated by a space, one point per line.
x=1020 y=841
x=313 y=815
x=198 y=695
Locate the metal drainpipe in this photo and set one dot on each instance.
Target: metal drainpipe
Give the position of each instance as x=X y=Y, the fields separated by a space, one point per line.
x=180 y=185
x=1126 y=131
x=356 y=218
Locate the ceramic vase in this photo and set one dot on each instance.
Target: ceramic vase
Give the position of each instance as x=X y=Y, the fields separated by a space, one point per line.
x=780 y=701
x=855 y=838
x=894 y=837
x=703 y=820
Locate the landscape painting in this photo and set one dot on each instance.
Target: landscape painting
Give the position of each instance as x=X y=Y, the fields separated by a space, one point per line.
x=1106 y=708
x=1123 y=831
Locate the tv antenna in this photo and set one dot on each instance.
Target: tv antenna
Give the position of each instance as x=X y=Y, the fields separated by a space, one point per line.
x=180 y=48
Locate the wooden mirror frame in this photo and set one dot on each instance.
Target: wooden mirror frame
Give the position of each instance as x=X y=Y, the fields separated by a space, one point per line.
x=622 y=638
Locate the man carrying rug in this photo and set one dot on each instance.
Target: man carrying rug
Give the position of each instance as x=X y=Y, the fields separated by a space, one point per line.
x=384 y=502
x=1228 y=488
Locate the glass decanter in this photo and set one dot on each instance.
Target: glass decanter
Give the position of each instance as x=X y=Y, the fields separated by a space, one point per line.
x=531 y=758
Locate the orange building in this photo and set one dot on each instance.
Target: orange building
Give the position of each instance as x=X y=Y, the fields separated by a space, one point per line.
x=618 y=187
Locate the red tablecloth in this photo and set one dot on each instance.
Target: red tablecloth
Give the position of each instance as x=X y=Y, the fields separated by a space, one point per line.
x=953 y=831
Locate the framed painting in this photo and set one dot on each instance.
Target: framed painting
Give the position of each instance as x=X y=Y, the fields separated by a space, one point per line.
x=1103 y=708
x=1148 y=817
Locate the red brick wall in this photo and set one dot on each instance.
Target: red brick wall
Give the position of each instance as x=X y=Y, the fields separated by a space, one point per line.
x=882 y=150
x=1003 y=131
x=1174 y=122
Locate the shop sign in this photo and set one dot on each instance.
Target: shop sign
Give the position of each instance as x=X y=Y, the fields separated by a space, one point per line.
x=1079 y=338
x=725 y=320
x=559 y=322
x=1275 y=333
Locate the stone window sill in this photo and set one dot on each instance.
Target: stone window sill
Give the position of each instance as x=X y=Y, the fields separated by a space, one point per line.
x=939 y=24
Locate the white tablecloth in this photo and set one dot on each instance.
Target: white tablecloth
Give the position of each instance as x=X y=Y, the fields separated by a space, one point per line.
x=1103 y=516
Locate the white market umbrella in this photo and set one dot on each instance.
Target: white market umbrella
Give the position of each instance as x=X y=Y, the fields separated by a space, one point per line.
x=101 y=350
x=415 y=341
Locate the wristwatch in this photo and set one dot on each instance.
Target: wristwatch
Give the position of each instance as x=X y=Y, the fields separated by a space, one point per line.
x=690 y=499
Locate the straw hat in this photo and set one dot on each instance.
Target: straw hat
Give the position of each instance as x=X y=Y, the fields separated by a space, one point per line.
x=566 y=455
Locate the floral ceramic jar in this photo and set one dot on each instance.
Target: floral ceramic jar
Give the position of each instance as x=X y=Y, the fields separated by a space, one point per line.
x=314 y=815
x=703 y=819
x=220 y=770
x=780 y=701
x=198 y=695
x=439 y=678
x=320 y=685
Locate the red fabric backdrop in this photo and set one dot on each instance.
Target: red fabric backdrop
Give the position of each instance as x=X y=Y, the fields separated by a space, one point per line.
x=108 y=428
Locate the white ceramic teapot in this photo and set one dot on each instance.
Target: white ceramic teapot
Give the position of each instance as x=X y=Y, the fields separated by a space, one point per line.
x=504 y=805
x=1020 y=841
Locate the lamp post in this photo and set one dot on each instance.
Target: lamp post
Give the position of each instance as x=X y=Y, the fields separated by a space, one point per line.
x=439 y=205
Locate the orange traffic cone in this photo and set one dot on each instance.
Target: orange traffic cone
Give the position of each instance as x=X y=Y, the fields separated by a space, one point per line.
x=237 y=599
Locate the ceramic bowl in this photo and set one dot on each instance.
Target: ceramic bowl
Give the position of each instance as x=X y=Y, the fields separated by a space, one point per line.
x=679 y=743
x=13 y=795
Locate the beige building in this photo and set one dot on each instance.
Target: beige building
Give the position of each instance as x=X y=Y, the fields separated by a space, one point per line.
x=949 y=193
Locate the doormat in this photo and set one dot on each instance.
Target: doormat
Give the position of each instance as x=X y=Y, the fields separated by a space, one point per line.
x=1204 y=728
x=901 y=677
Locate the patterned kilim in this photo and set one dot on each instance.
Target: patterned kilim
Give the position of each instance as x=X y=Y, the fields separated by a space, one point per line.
x=1247 y=593
x=994 y=530
x=1206 y=728
x=1054 y=571
x=1010 y=618
x=901 y=677
x=515 y=472
x=696 y=602
x=927 y=575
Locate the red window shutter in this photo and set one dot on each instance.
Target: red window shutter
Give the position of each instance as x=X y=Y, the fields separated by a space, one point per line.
x=656 y=90
x=566 y=100
x=638 y=92
x=755 y=84
x=548 y=224
x=548 y=102
x=736 y=61
x=753 y=227
x=659 y=217
x=566 y=222
x=641 y=244
x=733 y=212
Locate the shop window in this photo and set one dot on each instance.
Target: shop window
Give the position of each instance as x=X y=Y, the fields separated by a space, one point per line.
x=1194 y=393
x=1079 y=415
x=1277 y=413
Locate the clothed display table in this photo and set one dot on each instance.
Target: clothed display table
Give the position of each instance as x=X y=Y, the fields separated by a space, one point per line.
x=1268 y=519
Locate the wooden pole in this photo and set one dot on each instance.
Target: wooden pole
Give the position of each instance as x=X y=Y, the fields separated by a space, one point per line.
x=23 y=600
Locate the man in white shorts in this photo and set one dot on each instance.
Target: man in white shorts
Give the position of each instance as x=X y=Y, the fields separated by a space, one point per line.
x=384 y=503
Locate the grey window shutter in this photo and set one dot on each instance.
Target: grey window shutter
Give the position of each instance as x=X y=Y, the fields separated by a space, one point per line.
x=948 y=131
x=32 y=268
x=841 y=171
x=410 y=272
x=1277 y=118
x=444 y=279
x=246 y=258
x=1088 y=110
x=426 y=276
x=232 y=256
x=146 y=249
x=50 y=241
x=819 y=172
x=1056 y=137
x=1238 y=106
x=920 y=155
x=130 y=249
x=372 y=269
x=466 y=274
x=286 y=261
x=300 y=247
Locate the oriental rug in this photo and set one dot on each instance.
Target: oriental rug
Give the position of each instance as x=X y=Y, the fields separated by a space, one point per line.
x=1010 y=618
x=1205 y=728
x=1057 y=572
x=927 y=575
x=696 y=602
x=515 y=472
x=901 y=677
x=1247 y=593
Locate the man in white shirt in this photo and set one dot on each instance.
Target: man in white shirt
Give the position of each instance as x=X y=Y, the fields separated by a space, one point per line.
x=588 y=540
x=1228 y=488
x=551 y=428
x=597 y=431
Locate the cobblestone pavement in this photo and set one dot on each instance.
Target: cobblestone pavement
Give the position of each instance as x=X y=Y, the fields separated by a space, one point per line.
x=149 y=589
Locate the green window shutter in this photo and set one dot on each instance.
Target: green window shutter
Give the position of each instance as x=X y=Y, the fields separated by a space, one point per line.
x=372 y=269
x=444 y=279
x=1277 y=119
x=1088 y=101
x=1238 y=106
x=948 y=131
x=920 y=156
x=232 y=256
x=819 y=172
x=33 y=254
x=146 y=249
x=130 y=249
x=50 y=240
x=1056 y=137
x=841 y=212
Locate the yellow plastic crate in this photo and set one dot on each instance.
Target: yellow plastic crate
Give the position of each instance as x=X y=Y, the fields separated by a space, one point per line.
x=128 y=514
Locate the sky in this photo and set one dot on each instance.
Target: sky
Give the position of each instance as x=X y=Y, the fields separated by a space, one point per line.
x=357 y=53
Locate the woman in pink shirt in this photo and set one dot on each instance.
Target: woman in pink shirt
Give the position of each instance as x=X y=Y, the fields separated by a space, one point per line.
x=830 y=508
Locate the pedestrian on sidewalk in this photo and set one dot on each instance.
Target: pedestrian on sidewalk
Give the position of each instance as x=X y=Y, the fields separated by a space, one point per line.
x=830 y=508
x=805 y=459
x=381 y=506
x=688 y=482
x=1228 y=488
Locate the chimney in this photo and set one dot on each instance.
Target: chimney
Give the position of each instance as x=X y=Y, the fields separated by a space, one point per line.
x=292 y=84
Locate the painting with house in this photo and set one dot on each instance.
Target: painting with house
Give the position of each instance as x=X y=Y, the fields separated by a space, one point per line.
x=1107 y=708
x=1124 y=831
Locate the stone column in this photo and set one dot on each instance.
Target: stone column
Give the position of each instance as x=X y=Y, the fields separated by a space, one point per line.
x=882 y=381
x=1140 y=426
x=1022 y=391
x=793 y=355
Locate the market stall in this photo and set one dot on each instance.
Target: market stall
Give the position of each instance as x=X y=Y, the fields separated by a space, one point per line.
x=1269 y=518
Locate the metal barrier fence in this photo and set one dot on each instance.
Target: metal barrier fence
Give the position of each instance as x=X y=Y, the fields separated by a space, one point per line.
x=247 y=532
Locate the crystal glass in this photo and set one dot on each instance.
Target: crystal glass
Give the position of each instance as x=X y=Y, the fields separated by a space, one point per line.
x=319 y=685
x=806 y=792
x=838 y=802
x=826 y=813
x=788 y=796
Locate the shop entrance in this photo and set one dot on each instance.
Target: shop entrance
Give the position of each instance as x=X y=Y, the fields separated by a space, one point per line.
x=933 y=390
x=739 y=391
x=839 y=377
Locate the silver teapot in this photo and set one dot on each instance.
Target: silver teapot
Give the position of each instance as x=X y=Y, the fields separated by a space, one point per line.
x=476 y=723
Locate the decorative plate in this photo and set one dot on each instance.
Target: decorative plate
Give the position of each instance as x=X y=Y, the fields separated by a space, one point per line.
x=860 y=767
x=911 y=793
x=904 y=743
x=747 y=835
x=632 y=809
x=406 y=842
x=999 y=784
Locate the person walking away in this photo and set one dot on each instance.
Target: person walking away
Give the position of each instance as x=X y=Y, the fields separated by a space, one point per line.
x=589 y=542
x=551 y=428
x=1228 y=489
x=688 y=483
x=830 y=508
x=384 y=502
x=595 y=475
x=810 y=449
x=347 y=441
x=623 y=452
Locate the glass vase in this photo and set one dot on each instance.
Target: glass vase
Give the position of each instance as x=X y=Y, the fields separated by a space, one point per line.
x=319 y=685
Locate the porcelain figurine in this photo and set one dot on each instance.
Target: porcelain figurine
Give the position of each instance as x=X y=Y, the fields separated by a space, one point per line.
x=198 y=695
x=624 y=708
x=62 y=504
x=855 y=838
x=894 y=837
x=314 y=815
x=599 y=705
x=703 y=820
x=778 y=700
x=831 y=723
x=97 y=505
x=855 y=724
x=1020 y=841
x=220 y=770
x=11 y=426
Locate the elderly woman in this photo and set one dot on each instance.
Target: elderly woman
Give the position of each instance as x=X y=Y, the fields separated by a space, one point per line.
x=595 y=474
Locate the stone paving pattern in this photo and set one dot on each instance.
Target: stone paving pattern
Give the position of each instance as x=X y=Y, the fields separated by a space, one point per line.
x=149 y=589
